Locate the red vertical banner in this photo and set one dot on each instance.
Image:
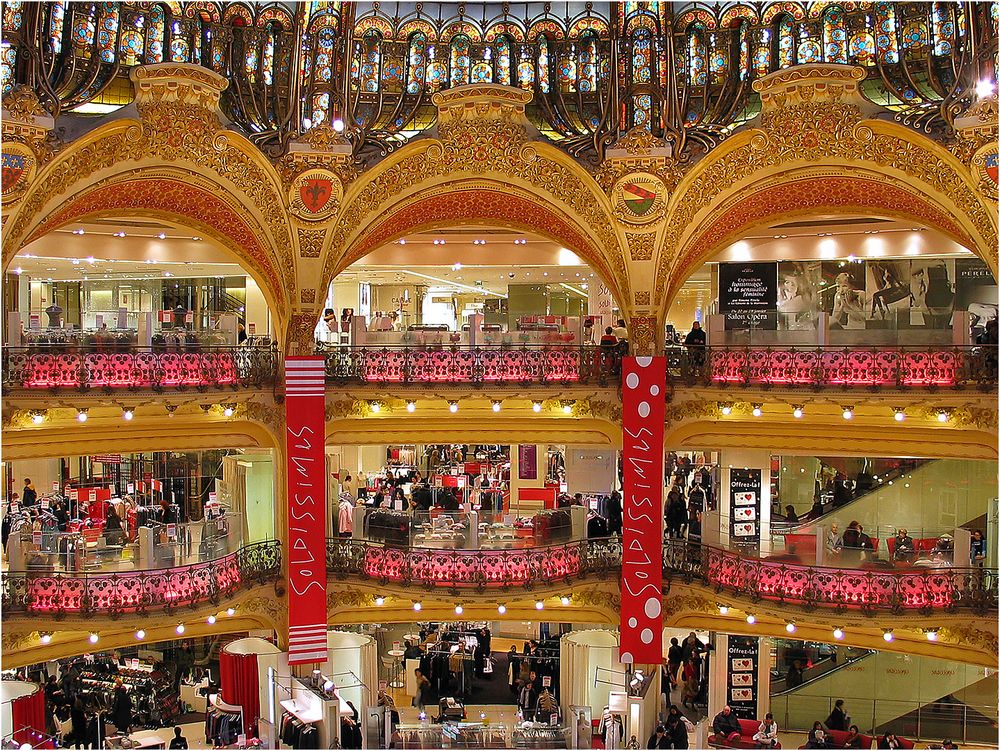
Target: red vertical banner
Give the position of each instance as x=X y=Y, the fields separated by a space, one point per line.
x=643 y=390
x=305 y=407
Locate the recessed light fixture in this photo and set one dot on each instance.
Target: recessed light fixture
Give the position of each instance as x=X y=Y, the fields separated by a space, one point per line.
x=81 y=414
x=751 y=618
x=496 y=405
x=459 y=610
x=93 y=637
x=380 y=601
x=838 y=633
x=539 y=604
x=758 y=410
x=180 y=628
x=411 y=406
x=790 y=627
x=453 y=406
x=211 y=620
x=797 y=411
x=501 y=609
x=943 y=415
x=887 y=634
x=536 y=406
x=726 y=408
x=723 y=610
x=898 y=414
x=128 y=413
x=162 y=236
x=848 y=413
x=417 y=606
x=140 y=634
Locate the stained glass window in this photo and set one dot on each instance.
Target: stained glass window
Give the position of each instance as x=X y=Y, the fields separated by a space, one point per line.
x=482 y=72
x=107 y=32
x=642 y=112
x=503 y=60
x=862 y=48
x=460 y=63
x=696 y=69
x=320 y=108
x=944 y=29
x=267 y=67
x=8 y=57
x=155 y=31
x=371 y=57
x=744 y=33
x=57 y=16
x=914 y=35
x=642 y=56
x=786 y=42
x=886 y=43
x=417 y=71
x=762 y=54
x=132 y=40
x=84 y=30
x=526 y=71
x=13 y=15
x=392 y=72
x=834 y=35
x=543 y=64
x=251 y=57
x=437 y=71
x=567 y=70
x=718 y=58
x=809 y=51
x=325 y=39
x=587 y=80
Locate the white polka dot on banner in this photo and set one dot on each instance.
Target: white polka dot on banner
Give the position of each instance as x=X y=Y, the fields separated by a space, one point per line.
x=627 y=658
x=644 y=362
x=633 y=622
x=646 y=636
x=652 y=608
x=632 y=380
x=643 y=409
x=654 y=390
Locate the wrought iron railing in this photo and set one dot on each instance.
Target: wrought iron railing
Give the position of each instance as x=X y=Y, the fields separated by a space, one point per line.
x=874 y=367
x=488 y=364
x=865 y=590
x=61 y=367
x=139 y=592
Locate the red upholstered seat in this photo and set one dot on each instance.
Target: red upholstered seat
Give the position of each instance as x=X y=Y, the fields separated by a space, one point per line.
x=838 y=739
x=748 y=729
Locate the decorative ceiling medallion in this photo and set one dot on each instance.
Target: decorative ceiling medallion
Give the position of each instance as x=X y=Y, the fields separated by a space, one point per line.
x=639 y=198
x=984 y=166
x=315 y=194
x=18 y=168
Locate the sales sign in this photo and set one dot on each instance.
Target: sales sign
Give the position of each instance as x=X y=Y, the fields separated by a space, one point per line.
x=304 y=440
x=744 y=505
x=644 y=386
x=742 y=654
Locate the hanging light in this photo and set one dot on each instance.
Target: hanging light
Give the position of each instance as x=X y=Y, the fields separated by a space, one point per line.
x=757 y=410
x=838 y=633
x=411 y=406
x=848 y=413
x=140 y=634
x=501 y=608
x=536 y=406
x=453 y=406
x=797 y=411
x=751 y=618
x=417 y=606
x=81 y=414
x=496 y=404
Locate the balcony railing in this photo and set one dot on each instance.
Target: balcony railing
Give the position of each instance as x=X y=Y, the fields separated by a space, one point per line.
x=55 y=368
x=867 y=591
x=140 y=592
x=837 y=367
x=488 y=364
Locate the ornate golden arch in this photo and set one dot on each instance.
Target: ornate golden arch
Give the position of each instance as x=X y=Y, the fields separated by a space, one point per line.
x=485 y=167
x=177 y=163
x=816 y=151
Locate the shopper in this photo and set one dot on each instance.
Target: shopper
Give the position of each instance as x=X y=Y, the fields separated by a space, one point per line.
x=793 y=677
x=28 y=493
x=348 y=485
x=816 y=511
x=659 y=738
x=817 y=737
x=621 y=333
x=838 y=717
x=674 y=659
x=889 y=740
x=113 y=532
x=834 y=541
x=423 y=687
x=678 y=727
x=977 y=548
x=853 y=739
x=121 y=709
x=695 y=342
x=903 y=548
x=614 y=509
x=677 y=514
x=725 y=726
x=790 y=515
x=767 y=734
x=178 y=741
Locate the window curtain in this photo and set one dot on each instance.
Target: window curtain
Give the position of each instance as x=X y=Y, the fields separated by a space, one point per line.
x=239 y=679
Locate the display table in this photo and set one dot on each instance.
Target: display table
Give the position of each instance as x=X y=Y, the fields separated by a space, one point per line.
x=149 y=739
x=190 y=696
x=397 y=656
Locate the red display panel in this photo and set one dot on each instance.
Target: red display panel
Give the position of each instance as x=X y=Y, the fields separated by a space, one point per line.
x=643 y=389
x=304 y=440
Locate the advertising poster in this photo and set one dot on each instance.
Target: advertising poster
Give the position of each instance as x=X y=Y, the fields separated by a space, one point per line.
x=887 y=286
x=744 y=505
x=748 y=295
x=975 y=291
x=844 y=296
x=643 y=407
x=527 y=461
x=800 y=284
x=742 y=654
x=932 y=290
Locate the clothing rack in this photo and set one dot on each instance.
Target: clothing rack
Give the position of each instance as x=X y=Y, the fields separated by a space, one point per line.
x=223 y=722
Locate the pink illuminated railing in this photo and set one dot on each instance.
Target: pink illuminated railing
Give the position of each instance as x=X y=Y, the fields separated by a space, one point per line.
x=141 y=591
x=540 y=364
x=837 y=367
x=56 y=367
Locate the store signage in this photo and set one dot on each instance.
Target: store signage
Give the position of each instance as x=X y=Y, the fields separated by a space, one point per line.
x=744 y=505
x=34 y=321
x=91 y=495
x=55 y=486
x=171 y=531
x=44 y=503
x=748 y=295
x=36 y=539
x=130 y=488
x=251 y=329
x=527 y=461
x=644 y=381
x=305 y=437
x=743 y=653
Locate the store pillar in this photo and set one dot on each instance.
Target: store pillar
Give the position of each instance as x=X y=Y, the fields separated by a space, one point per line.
x=744 y=514
x=739 y=676
x=527 y=471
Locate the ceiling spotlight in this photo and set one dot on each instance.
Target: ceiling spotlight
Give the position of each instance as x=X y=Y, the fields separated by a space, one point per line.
x=496 y=405
x=723 y=610
x=564 y=600
x=985 y=89
x=459 y=610
x=567 y=408
x=230 y=611
x=790 y=627
x=93 y=637
x=128 y=413
x=456 y=266
x=38 y=416
x=376 y=406
x=180 y=628
x=417 y=606
x=328 y=685
x=797 y=411
x=228 y=410
x=757 y=410
x=932 y=634
x=452 y=406
x=848 y=413
x=211 y=620
x=162 y=236
x=838 y=633
x=402 y=241
x=18 y=270
x=898 y=414
x=90 y=259
x=81 y=415
x=411 y=406
x=536 y=406
x=196 y=239
x=78 y=231
x=751 y=618
x=887 y=634
x=726 y=408
x=380 y=601
x=943 y=415
x=140 y=634
x=338 y=125
x=501 y=609
x=45 y=637
x=539 y=604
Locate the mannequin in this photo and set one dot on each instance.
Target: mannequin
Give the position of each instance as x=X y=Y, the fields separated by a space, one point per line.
x=611 y=728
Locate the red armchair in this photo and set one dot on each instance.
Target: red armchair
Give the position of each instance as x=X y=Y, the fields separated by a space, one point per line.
x=748 y=729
